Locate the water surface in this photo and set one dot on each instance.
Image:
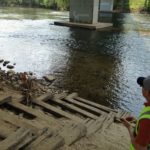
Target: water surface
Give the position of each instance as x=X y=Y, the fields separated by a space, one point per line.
x=99 y=65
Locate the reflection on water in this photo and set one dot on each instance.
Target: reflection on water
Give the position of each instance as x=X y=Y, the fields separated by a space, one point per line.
x=99 y=65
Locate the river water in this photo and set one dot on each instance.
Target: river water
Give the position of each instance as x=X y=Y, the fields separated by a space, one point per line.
x=100 y=65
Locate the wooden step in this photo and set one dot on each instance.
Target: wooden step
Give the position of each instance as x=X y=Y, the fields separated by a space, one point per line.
x=6 y=129
x=42 y=136
x=5 y=99
x=94 y=125
x=37 y=113
x=17 y=139
x=56 y=110
x=21 y=122
x=53 y=142
x=73 y=132
x=74 y=108
x=83 y=105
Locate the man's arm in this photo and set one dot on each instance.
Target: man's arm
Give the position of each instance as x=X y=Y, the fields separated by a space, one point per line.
x=136 y=145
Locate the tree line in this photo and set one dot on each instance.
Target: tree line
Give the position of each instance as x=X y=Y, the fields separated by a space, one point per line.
x=64 y=4
x=53 y=4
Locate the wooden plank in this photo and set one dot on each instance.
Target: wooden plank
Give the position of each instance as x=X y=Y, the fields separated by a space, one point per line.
x=41 y=137
x=14 y=140
x=101 y=107
x=75 y=96
x=21 y=122
x=74 y=108
x=58 y=111
x=38 y=114
x=94 y=126
x=6 y=129
x=5 y=99
x=44 y=97
x=50 y=143
x=73 y=132
x=60 y=96
x=73 y=101
x=107 y=122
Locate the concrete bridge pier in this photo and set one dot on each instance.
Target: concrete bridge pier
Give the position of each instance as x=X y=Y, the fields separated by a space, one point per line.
x=84 y=14
x=84 y=11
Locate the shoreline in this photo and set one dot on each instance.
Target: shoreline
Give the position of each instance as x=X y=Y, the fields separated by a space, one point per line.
x=65 y=121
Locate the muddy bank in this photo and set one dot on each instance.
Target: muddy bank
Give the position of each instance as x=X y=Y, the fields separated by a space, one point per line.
x=25 y=81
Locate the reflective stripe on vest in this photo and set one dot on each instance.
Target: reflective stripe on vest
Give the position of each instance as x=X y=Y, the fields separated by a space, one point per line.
x=145 y=114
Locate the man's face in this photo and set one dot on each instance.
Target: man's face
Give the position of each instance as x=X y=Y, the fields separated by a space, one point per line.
x=146 y=94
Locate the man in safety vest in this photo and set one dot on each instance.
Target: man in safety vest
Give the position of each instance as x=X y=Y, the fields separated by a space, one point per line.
x=140 y=137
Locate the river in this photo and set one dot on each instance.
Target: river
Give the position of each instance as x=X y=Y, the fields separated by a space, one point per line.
x=100 y=65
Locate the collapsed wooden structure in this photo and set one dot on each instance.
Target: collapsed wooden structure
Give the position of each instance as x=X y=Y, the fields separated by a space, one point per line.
x=51 y=122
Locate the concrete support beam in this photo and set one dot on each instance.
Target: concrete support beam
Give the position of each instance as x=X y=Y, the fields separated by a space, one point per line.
x=84 y=11
x=106 y=5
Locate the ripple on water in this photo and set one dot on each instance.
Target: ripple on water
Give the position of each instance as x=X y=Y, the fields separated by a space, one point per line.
x=99 y=65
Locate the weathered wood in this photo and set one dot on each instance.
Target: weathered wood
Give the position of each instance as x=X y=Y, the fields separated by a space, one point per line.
x=44 y=97
x=101 y=107
x=56 y=110
x=5 y=99
x=94 y=126
x=21 y=122
x=51 y=143
x=121 y=114
x=73 y=132
x=60 y=96
x=83 y=105
x=38 y=114
x=16 y=139
x=74 y=108
x=107 y=122
x=40 y=138
x=6 y=129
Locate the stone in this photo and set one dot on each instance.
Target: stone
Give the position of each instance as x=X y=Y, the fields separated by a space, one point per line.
x=1 y=60
x=6 y=62
x=10 y=66
x=49 y=78
x=10 y=72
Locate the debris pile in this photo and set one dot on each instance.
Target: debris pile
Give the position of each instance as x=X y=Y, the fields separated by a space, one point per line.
x=25 y=82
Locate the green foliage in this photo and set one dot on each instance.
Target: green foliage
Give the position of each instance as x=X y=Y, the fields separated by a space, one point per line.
x=132 y=4
x=62 y=4
x=56 y=4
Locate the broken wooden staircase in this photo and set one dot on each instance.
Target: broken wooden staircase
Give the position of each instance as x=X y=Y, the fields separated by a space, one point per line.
x=51 y=122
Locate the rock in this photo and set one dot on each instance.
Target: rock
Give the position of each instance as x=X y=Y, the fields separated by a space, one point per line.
x=1 y=60
x=30 y=73
x=6 y=62
x=10 y=72
x=10 y=66
x=49 y=78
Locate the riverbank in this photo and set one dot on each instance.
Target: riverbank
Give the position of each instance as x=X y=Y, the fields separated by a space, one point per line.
x=122 y=5
x=55 y=120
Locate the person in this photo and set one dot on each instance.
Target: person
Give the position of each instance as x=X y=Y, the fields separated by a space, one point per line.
x=140 y=137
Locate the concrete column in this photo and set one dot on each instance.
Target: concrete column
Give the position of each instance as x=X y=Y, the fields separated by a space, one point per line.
x=106 y=5
x=84 y=11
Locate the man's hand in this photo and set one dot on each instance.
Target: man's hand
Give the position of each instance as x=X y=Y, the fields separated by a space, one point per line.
x=126 y=123
x=131 y=119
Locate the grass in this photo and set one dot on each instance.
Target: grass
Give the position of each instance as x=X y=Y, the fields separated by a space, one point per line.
x=133 y=4
x=136 y=4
